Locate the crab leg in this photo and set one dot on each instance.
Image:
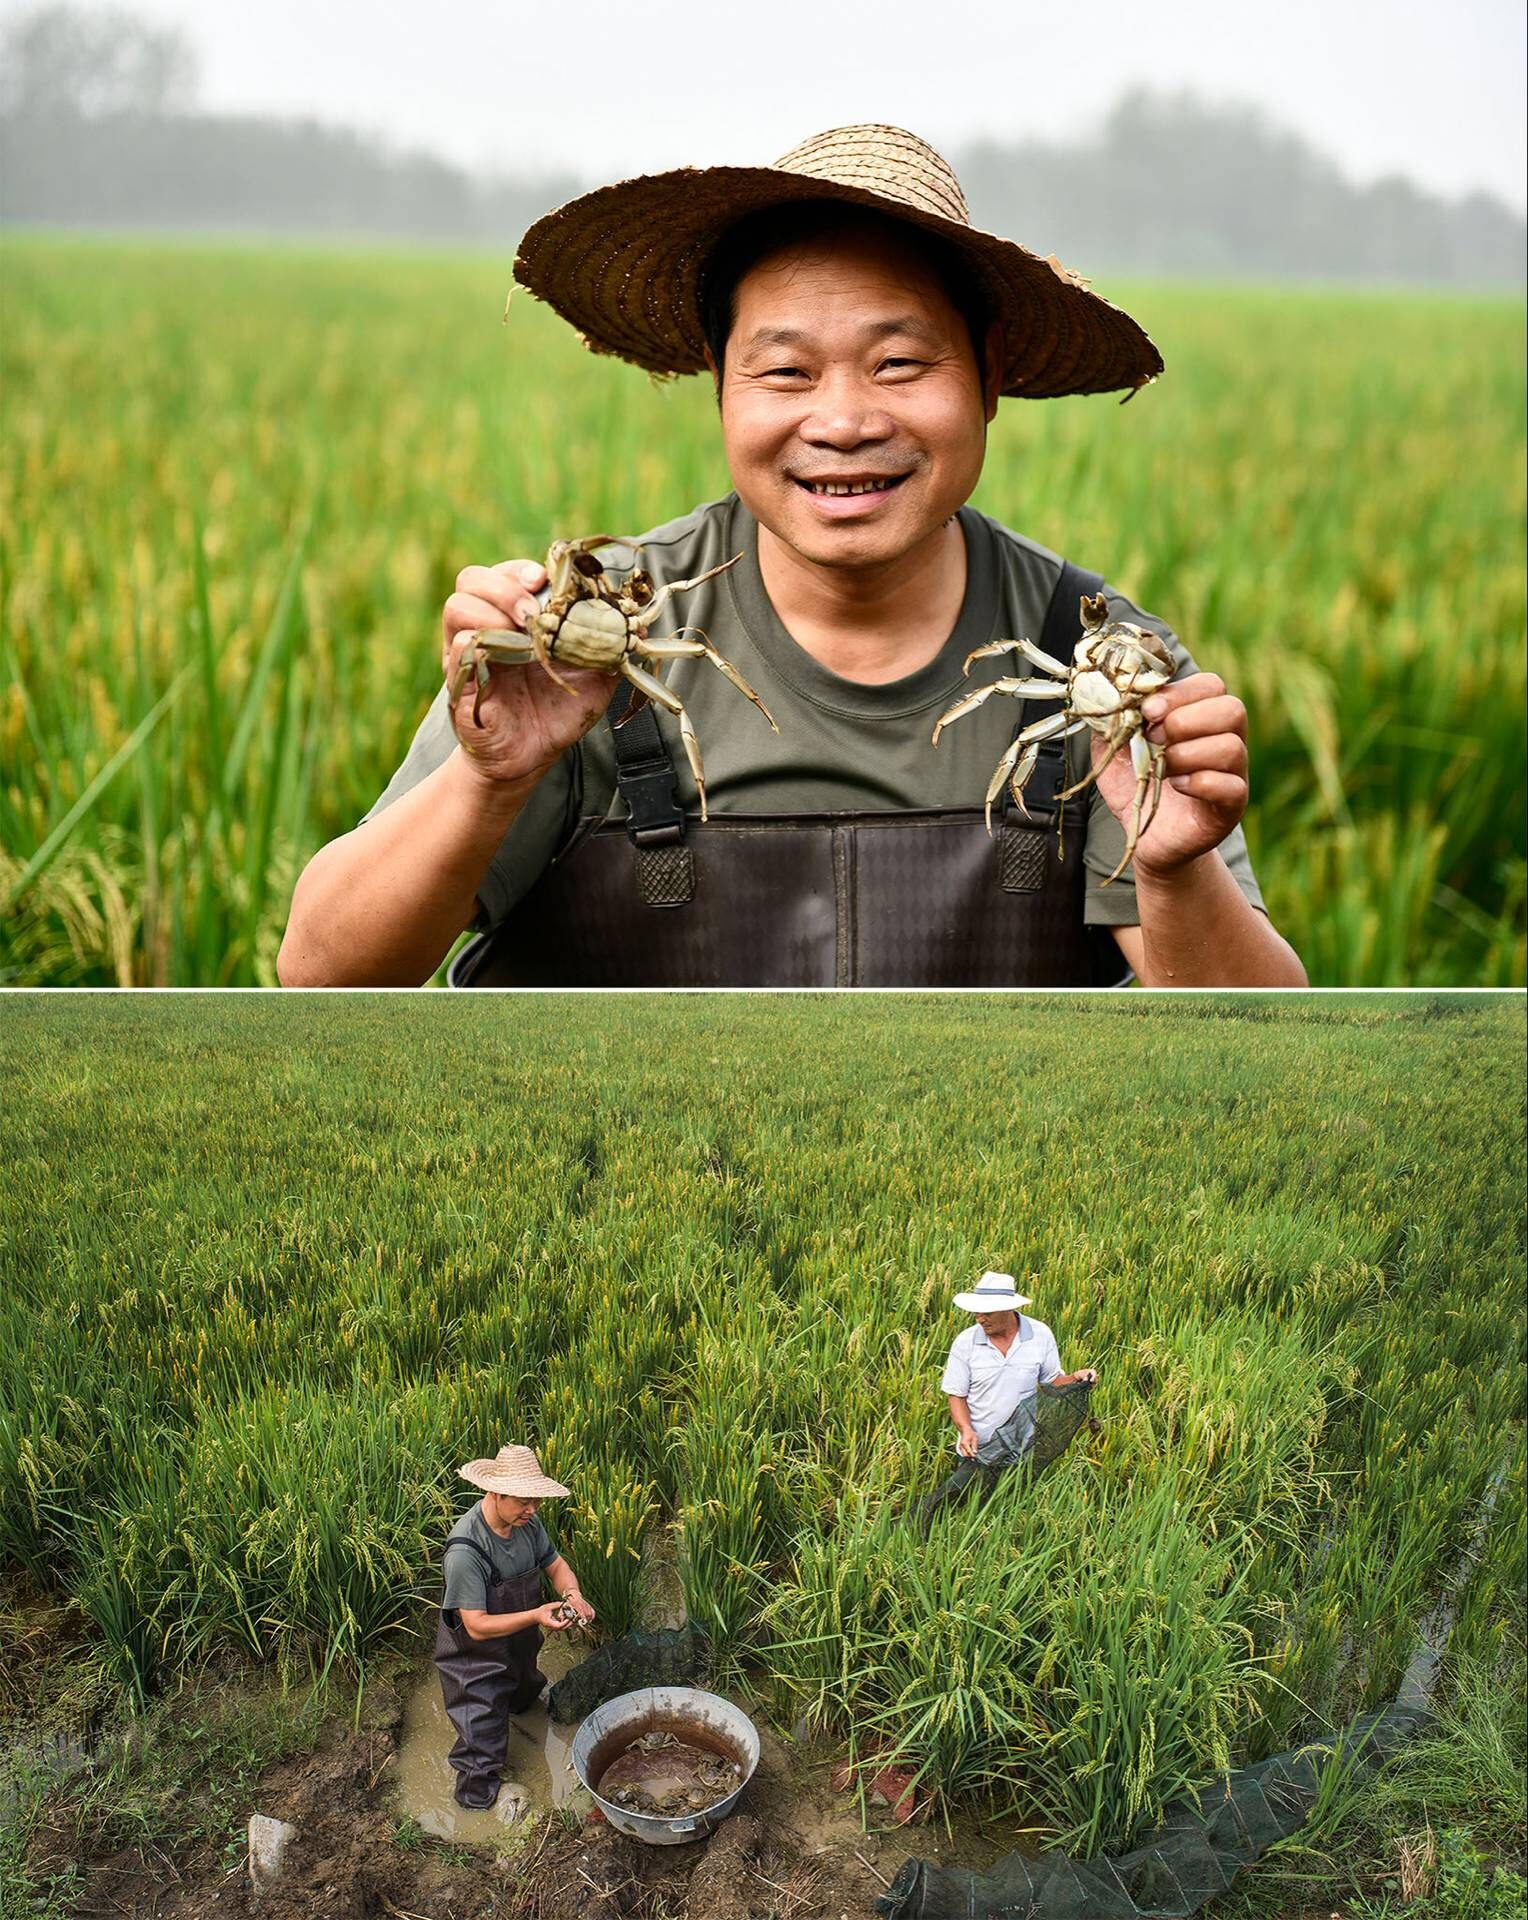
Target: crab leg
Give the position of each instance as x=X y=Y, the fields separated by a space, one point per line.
x=1023 y=689
x=544 y=661
x=501 y=646
x=1016 y=769
x=592 y=540
x=1014 y=646
x=656 y=691
x=1007 y=766
x=1092 y=773
x=684 y=586
x=675 y=647
x=1158 y=768
x=1031 y=652
x=1141 y=760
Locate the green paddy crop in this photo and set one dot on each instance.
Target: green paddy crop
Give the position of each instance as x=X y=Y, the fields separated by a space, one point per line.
x=271 y=1268
x=236 y=485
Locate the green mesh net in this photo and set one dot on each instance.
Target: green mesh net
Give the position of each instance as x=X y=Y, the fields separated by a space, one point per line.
x=1203 y=1843
x=665 y=1657
x=1033 y=1437
x=1199 y=1849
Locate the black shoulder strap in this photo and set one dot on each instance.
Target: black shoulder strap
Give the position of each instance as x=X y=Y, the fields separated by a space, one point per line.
x=1059 y=634
x=644 y=774
x=1063 y=620
x=461 y=1540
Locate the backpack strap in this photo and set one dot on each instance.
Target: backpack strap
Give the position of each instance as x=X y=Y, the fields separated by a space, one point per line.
x=452 y=1615
x=460 y=1540
x=644 y=774
x=646 y=781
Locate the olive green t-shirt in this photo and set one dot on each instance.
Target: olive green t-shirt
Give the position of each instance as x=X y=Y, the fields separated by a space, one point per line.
x=842 y=745
x=528 y=1549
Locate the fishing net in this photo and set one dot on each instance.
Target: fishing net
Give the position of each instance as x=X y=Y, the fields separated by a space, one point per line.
x=1199 y=1849
x=1033 y=1437
x=665 y=1657
x=1040 y=1428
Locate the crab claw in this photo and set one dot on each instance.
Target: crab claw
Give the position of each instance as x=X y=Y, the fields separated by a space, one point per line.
x=1095 y=612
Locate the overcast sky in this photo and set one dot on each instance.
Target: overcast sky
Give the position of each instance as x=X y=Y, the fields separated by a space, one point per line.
x=610 y=87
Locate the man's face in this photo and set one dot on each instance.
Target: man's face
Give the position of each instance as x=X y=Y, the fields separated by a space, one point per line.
x=996 y=1325
x=511 y=1511
x=848 y=363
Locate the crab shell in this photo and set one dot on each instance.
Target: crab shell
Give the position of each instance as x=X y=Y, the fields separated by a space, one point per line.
x=590 y=633
x=1114 y=669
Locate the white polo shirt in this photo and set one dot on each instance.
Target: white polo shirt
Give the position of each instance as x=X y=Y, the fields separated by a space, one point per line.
x=991 y=1383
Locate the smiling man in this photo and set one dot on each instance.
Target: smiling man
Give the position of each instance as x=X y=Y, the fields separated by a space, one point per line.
x=860 y=334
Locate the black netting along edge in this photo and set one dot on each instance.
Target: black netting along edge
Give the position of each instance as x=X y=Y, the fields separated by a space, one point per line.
x=664 y=1657
x=1201 y=1846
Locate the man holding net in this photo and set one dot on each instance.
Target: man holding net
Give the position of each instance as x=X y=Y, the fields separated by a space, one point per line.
x=997 y=1372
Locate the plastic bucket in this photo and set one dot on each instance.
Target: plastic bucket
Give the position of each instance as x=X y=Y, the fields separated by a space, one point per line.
x=702 y=1718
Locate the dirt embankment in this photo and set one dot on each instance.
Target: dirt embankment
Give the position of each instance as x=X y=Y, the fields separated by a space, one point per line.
x=794 y=1851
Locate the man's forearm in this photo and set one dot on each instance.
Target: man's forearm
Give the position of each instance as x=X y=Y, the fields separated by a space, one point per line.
x=498 y=1626
x=381 y=905
x=960 y=1413
x=564 y=1580
x=1198 y=929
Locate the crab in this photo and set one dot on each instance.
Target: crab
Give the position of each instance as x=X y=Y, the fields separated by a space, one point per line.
x=587 y=619
x=1114 y=668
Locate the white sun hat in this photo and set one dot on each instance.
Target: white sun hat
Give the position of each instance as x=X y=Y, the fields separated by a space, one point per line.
x=515 y=1471
x=993 y=1293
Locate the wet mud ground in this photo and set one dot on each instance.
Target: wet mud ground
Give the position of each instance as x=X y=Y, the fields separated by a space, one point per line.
x=794 y=1850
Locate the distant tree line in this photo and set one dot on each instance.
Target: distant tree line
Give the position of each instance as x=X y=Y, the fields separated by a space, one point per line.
x=98 y=128
x=1172 y=185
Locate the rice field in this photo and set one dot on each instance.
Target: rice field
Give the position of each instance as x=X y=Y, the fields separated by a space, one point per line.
x=236 y=484
x=270 y=1268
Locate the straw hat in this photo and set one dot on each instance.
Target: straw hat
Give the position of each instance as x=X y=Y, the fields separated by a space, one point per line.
x=624 y=263
x=993 y=1293
x=512 y=1470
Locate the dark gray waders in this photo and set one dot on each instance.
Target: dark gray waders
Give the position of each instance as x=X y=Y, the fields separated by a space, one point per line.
x=485 y=1681
x=908 y=898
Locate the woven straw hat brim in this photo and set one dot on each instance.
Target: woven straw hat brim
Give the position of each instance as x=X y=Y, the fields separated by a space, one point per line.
x=493 y=1477
x=623 y=265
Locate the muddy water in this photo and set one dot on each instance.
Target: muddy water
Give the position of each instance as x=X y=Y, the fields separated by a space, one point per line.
x=538 y=1767
x=670 y=1778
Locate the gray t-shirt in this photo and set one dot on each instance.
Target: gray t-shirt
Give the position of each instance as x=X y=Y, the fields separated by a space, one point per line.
x=842 y=745
x=528 y=1549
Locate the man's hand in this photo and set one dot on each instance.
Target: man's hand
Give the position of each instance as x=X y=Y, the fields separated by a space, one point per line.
x=525 y=720
x=553 y=1616
x=1090 y=1374
x=967 y=1444
x=1204 y=787
x=580 y=1606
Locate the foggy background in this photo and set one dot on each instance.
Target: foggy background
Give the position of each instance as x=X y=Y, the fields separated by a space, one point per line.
x=1342 y=141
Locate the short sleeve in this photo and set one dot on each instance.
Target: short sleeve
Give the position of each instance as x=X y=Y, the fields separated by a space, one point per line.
x=466 y=1579
x=541 y=1540
x=1050 y=1360
x=433 y=744
x=957 y=1371
x=543 y=825
x=1114 y=905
